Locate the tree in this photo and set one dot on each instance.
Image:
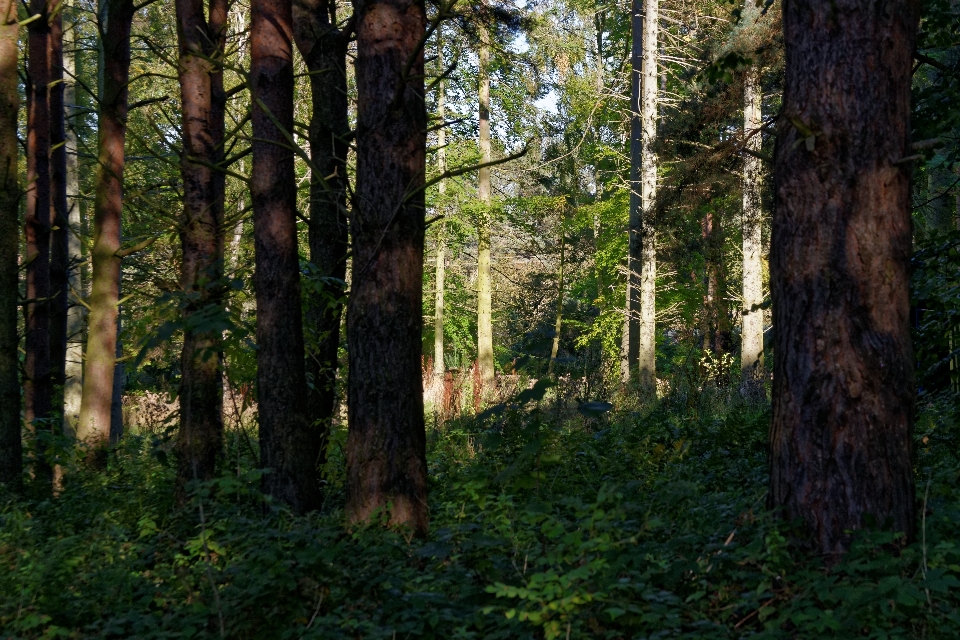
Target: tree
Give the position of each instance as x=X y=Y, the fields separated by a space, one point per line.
x=59 y=215
x=324 y=49
x=843 y=386
x=439 y=362
x=646 y=332
x=11 y=464
x=484 y=293
x=286 y=441
x=38 y=371
x=630 y=349
x=201 y=46
x=751 y=338
x=386 y=444
x=73 y=359
x=116 y=17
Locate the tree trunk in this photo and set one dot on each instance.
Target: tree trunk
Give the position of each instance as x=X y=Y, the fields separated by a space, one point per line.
x=439 y=365
x=324 y=48
x=843 y=386
x=116 y=17
x=11 y=463
x=201 y=42
x=631 y=325
x=73 y=361
x=484 y=294
x=555 y=348
x=751 y=338
x=59 y=215
x=647 y=336
x=285 y=432
x=38 y=382
x=386 y=445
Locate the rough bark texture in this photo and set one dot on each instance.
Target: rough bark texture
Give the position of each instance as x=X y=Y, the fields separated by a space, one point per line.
x=647 y=337
x=751 y=337
x=285 y=431
x=11 y=463
x=324 y=48
x=59 y=216
x=629 y=350
x=484 y=294
x=99 y=369
x=201 y=43
x=73 y=366
x=386 y=445
x=843 y=386
x=38 y=380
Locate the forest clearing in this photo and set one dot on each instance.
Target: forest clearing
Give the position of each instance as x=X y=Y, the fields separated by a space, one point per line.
x=541 y=319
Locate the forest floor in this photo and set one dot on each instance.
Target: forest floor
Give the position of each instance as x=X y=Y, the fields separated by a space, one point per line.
x=544 y=524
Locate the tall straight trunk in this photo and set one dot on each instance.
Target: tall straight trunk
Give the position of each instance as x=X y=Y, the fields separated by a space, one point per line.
x=11 y=463
x=324 y=49
x=73 y=361
x=484 y=294
x=843 y=384
x=201 y=41
x=59 y=215
x=99 y=371
x=716 y=326
x=38 y=382
x=629 y=351
x=751 y=337
x=439 y=365
x=647 y=336
x=285 y=430
x=386 y=444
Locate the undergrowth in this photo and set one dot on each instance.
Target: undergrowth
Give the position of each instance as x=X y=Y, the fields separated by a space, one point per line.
x=646 y=524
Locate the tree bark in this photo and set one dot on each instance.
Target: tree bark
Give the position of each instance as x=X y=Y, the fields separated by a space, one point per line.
x=484 y=294
x=285 y=431
x=94 y=429
x=439 y=363
x=59 y=215
x=647 y=336
x=631 y=325
x=843 y=386
x=324 y=49
x=73 y=361
x=751 y=338
x=38 y=378
x=201 y=42
x=386 y=445
x=11 y=462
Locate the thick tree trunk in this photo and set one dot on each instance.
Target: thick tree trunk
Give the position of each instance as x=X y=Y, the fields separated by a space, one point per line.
x=751 y=338
x=73 y=362
x=843 y=385
x=647 y=336
x=11 y=463
x=386 y=445
x=59 y=215
x=324 y=48
x=99 y=371
x=631 y=325
x=201 y=42
x=38 y=382
x=484 y=293
x=285 y=432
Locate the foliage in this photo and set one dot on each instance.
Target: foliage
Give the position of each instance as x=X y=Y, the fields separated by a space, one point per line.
x=545 y=524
